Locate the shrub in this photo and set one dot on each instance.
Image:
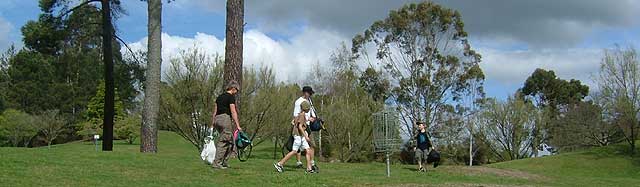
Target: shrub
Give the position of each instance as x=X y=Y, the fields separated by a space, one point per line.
x=128 y=128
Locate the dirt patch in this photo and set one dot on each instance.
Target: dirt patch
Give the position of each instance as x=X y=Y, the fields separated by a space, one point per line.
x=477 y=170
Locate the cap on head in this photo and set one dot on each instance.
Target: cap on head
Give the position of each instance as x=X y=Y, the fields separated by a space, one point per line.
x=305 y=106
x=232 y=84
x=308 y=89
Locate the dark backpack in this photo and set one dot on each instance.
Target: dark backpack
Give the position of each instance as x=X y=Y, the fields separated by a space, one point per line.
x=316 y=125
x=434 y=157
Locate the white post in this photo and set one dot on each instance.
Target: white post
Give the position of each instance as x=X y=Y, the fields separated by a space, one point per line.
x=388 y=165
x=95 y=140
x=320 y=144
x=320 y=133
x=470 y=143
x=470 y=150
x=349 y=139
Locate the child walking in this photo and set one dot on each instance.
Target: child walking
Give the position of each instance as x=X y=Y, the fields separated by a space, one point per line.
x=300 y=139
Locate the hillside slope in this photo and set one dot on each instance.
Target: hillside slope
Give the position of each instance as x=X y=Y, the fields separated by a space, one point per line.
x=605 y=166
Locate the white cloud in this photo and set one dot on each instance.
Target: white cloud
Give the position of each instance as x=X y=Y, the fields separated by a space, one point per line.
x=5 y=29
x=291 y=59
x=510 y=68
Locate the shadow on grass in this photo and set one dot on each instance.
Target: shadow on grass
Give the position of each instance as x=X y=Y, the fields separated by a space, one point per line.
x=414 y=168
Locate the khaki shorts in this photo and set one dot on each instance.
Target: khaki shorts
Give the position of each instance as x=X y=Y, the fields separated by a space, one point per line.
x=421 y=155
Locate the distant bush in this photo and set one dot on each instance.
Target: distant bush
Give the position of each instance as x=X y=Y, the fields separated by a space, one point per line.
x=17 y=128
x=128 y=128
x=88 y=128
x=51 y=125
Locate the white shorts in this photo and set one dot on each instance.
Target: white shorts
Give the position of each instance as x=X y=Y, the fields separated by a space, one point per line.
x=299 y=143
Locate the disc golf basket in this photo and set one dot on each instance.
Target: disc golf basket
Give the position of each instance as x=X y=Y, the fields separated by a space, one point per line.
x=386 y=134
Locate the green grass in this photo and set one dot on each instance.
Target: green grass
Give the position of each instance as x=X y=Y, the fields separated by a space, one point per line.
x=178 y=164
x=605 y=166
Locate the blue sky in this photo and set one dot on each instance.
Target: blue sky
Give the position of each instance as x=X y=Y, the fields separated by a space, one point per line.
x=514 y=37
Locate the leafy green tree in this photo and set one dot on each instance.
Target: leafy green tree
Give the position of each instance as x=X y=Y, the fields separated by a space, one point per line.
x=347 y=106
x=618 y=83
x=265 y=104
x=95 y=113
x=507 y=126
x=349 y=122
x=193 y=82
x=95 y=108
x=425 y=49
x=553 y=96
x=128 y=128
x=30 y=77
x=18 y=128
x=549 y=90
x=618 y=74
x=109 y=9
x=583 y=126
x=67 y=45
x=375 y=84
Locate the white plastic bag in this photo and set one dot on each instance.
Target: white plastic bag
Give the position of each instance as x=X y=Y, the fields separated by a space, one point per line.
x=209 y=151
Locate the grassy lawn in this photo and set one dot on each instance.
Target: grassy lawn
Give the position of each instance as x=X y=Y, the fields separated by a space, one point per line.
x=608 y=166
x=178 y=164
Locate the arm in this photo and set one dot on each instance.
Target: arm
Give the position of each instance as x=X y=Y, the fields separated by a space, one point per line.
x=213 y=117
x=234 y=115
x=302 y=129
x=414 y=141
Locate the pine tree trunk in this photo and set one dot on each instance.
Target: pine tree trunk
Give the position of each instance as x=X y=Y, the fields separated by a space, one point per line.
x=149 y=131
x=233 y=48
x=107 y=55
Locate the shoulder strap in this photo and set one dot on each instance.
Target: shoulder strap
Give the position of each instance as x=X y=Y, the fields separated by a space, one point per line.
x=315 y=112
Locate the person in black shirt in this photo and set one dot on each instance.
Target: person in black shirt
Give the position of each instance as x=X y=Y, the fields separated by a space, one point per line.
x=223 y=113
x=423 y=146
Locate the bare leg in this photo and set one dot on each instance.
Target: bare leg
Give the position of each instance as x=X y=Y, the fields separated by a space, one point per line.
x=287 y=157
x=309 y=156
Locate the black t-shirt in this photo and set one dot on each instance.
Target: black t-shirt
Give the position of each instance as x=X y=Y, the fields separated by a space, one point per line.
x=224 y=102
x=423 y=141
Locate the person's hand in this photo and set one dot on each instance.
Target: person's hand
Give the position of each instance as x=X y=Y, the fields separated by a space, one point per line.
x=307 y=138
x=312 y=119
x=239 y=129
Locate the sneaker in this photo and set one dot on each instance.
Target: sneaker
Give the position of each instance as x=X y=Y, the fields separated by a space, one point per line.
x=224 y=164
x=315 y=168
x=311 y=171
x=218 y=166
x=299 y=165
x=278 y=167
